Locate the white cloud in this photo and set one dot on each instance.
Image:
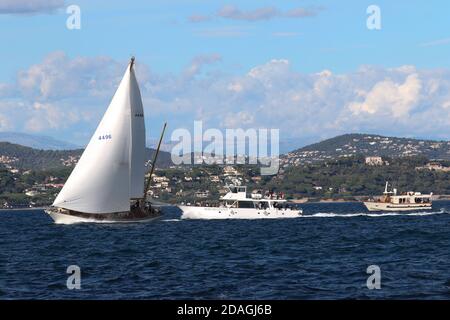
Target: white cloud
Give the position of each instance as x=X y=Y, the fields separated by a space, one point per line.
x=5 y=124
x=29 y=6
x=310 y=106
x=270 y=73
x=389 y=98
x=232 y=12
x=46 y=116
x=68 y=95
x=6 y=89
x=60 y=92
x=58 y=76
x=236 y=87
x=303 y=12
x=238 y=120
x=199 y=61
x=436 y=43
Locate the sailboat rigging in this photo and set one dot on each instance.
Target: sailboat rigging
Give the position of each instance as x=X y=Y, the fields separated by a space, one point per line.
x=147 y=185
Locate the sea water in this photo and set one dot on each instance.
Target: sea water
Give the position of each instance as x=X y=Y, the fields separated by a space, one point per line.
x=323 y=255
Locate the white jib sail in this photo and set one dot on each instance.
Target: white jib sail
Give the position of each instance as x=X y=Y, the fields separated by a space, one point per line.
x=137 y=150
x=100 y=182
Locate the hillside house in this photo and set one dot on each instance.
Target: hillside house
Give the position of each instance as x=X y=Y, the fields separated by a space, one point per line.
x=434 y=166
x=374 y=161
x=230 y=171
x=214 y=179
x=202 y=194
x=161 y=179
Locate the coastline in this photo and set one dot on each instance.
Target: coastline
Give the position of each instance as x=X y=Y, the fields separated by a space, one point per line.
x=23 y=209
x=443 y=197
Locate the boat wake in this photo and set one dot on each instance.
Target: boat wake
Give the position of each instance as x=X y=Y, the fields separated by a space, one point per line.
x=375 y=215
x=348 y=215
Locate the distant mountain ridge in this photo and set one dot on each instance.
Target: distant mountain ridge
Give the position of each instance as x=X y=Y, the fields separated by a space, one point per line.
x=368 y=145
x=342 y=146
x=36 y=141
x=26 y=158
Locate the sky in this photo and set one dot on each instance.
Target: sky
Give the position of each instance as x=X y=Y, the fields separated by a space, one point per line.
x=312 y=69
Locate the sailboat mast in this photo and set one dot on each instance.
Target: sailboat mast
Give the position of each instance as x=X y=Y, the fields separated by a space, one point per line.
x=147 y=186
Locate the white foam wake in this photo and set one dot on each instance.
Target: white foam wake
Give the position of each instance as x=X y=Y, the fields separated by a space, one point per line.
x=375 y=215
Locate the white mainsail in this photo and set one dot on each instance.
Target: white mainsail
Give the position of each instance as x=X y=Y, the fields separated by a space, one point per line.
x=106 y=175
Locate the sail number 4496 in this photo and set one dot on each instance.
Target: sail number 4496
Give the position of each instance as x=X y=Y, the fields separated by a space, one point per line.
x=105 y=137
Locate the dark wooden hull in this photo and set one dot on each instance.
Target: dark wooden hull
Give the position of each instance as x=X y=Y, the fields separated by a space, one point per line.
x=136 y=214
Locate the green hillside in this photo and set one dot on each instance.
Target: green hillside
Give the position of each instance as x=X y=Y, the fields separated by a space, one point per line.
x=349 y=145
x=27 y=158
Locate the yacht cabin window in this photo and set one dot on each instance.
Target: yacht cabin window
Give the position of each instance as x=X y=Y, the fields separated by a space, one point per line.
x=246 y=204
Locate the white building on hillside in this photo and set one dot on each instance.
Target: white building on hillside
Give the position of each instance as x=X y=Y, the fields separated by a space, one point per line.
x=374 y=161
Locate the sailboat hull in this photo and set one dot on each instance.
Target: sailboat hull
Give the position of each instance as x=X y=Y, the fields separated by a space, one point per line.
x=60 y=217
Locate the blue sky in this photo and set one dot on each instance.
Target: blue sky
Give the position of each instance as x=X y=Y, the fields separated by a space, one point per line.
x=158 y=32
x=227 y=40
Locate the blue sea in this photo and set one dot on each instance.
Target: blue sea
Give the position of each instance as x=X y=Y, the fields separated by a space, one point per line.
x=323 y=255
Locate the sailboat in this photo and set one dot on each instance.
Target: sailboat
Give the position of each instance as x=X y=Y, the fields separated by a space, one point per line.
x=107 y=184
